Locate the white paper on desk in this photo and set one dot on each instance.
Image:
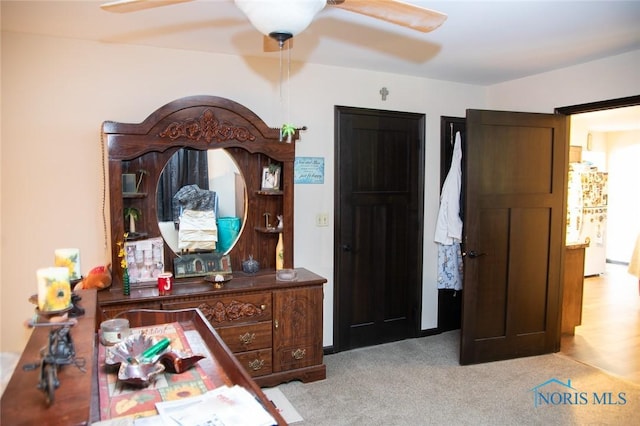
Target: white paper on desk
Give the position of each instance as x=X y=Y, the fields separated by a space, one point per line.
x=224 y=406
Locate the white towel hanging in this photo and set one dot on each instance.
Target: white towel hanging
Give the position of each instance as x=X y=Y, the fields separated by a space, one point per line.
x=449 y=224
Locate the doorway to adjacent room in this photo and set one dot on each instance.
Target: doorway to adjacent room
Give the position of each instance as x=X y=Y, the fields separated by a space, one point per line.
x=608 y=337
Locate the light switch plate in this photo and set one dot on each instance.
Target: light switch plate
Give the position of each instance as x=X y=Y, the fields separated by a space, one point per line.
x=322 y=219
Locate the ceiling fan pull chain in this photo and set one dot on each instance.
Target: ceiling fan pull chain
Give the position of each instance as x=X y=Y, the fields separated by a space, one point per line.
x=289 y=86
x=280 y=88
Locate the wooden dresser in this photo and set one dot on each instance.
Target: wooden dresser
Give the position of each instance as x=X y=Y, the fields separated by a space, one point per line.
x=274 y=328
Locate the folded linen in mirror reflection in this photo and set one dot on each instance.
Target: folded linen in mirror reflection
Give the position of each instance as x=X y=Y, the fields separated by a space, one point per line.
x=198 y=230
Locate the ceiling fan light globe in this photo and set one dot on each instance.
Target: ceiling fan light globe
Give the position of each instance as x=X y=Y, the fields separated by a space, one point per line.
x=280 y=16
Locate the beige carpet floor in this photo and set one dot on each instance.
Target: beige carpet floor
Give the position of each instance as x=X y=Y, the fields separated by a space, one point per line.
x=419 y=382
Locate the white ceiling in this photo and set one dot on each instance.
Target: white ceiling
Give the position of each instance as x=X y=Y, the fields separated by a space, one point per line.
x=482 y=42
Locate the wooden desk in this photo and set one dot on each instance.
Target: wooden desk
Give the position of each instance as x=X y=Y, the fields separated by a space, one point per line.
x=225 y=368
x=24 y=404
x=77 y=398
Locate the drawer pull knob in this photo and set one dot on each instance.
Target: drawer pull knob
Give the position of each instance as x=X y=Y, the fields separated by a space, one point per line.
x=247 y=338
x=256 y=364
x=298 y=353
x=276 y=324
x=263 y=307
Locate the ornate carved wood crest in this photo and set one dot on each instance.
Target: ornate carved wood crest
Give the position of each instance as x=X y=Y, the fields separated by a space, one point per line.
x=206 y=127
x=234 y=311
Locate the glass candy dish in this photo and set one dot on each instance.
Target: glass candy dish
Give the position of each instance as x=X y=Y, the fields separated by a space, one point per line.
x=130 y=351
x=218 y=280
x=139 y=374
x=286 y=274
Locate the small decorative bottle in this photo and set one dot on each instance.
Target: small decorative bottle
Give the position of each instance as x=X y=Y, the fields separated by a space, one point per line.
x=279 y=253
x=126 y=289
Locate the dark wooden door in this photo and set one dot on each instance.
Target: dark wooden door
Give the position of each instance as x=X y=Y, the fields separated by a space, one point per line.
x=515 y=177
x=378 y=234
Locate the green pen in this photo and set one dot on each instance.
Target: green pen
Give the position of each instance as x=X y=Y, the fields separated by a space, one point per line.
x=155 y=349
x=149 y=353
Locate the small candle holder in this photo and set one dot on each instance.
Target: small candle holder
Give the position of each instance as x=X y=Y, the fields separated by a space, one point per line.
x=59 y=317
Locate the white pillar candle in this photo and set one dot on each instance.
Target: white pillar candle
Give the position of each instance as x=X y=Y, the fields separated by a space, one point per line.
x=70 y=258
x=54 y=290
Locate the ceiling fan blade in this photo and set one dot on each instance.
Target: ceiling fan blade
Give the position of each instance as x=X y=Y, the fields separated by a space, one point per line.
x=125 y=6
x=270 y=44
x=396 y=12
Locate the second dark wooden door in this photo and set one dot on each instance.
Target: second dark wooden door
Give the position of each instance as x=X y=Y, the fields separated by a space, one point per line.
x=378 y=235
x=515 y=181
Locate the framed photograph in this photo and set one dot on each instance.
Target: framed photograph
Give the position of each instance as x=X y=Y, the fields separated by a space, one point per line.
x=271 y=178
x=201 y=264
x=145 y=259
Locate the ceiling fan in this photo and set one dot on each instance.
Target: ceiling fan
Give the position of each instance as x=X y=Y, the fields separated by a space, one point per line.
x=263 y=14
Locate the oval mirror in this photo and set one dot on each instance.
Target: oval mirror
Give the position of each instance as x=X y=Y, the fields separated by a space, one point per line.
x=201 y=201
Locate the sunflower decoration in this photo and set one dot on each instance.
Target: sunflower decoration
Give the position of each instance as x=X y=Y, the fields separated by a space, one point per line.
x=180 y=390
x=58 y=296
x=69 y=263
x=121 y=252
x=66 y=262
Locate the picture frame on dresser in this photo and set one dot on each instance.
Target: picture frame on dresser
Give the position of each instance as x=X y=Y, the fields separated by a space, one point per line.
x=270 y=178
x=201 y=264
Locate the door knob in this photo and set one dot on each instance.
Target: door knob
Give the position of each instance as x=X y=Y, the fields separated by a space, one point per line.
x=473 y=254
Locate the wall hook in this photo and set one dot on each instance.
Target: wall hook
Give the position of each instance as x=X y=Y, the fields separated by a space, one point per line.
x=451 y=134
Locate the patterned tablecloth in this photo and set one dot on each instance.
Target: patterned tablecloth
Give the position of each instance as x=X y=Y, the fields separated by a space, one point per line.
x=119 y=399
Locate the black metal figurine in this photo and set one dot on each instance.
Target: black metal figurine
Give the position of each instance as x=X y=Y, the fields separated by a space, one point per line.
x=59 y=351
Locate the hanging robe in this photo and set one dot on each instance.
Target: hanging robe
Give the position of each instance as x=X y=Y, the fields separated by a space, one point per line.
x=448 y=233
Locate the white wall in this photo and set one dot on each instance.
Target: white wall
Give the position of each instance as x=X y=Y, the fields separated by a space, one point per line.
x=623 y=225
x=610 y=78
x=57 y=92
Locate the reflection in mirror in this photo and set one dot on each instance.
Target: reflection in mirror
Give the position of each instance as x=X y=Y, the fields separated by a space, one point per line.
x=201 y=201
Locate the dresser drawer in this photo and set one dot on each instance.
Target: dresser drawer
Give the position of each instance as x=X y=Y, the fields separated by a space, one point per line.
x=109 y=312
x=297 y=357
x=221 y=311
x=257 y=363
x=242 y=338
